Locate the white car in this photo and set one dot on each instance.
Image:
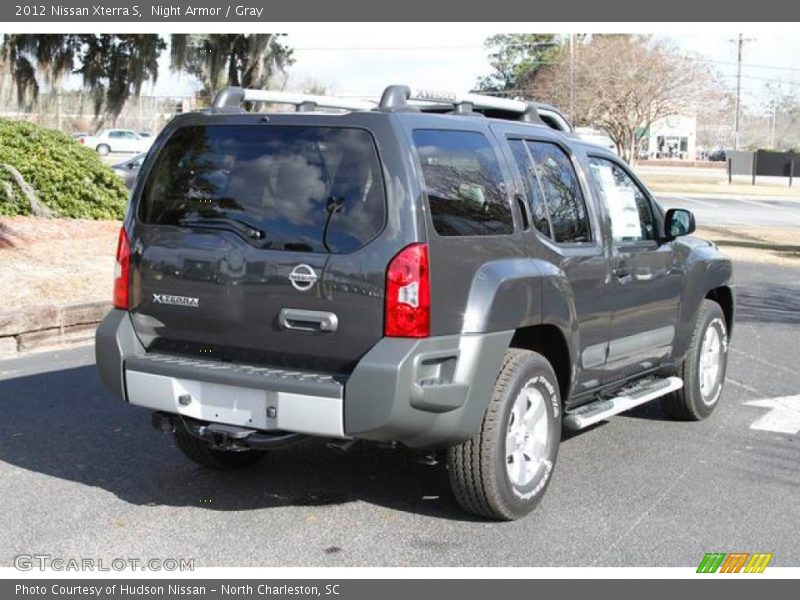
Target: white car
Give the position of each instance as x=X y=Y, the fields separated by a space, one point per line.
x=117 y=140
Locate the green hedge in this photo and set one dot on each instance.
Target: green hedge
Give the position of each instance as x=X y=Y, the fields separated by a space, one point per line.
x=69 y=179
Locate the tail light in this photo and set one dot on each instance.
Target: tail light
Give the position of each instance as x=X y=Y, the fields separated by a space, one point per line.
x=408 y=293
x=122 y=271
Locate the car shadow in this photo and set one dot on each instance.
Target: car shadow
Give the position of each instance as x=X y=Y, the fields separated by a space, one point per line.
x=64 y=424
x=768 y=304
x=649 y=411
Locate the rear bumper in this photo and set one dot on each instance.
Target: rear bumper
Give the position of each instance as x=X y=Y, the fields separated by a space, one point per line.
x=423 y=393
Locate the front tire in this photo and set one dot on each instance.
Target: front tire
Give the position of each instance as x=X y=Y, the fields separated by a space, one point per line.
x=703 y=369
x=203 y=454
x=504 y=470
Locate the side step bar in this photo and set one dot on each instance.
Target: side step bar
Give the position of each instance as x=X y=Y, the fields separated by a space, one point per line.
x=596 y=411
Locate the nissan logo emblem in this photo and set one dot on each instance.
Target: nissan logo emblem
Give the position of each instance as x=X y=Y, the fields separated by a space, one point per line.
x=303 y=277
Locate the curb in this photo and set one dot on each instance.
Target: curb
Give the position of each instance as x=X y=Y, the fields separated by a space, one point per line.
x=722 y=196
x=49 y=327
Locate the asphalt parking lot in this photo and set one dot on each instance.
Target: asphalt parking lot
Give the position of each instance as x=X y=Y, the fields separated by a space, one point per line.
x=82 y=475
x=736 y=211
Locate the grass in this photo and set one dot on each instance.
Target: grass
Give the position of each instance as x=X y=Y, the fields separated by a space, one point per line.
x=779 y=245
x=682 y=183
x=678 y=183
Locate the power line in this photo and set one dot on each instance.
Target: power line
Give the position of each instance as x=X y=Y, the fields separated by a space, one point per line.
x=385 y=48
x=483 y=47
x=480 y=47
x=744 y=64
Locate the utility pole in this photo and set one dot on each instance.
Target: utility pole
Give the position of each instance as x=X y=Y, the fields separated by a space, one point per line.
x=740 y=42
x=572 y=77
x=772 y=124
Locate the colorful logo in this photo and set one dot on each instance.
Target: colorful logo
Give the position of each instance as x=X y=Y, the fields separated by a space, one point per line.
x=735 y=562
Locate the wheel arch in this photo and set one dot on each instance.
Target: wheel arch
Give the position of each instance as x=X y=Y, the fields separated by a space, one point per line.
x=533 y=298
x=708 y=276
x=549 y=341
x=723 y=295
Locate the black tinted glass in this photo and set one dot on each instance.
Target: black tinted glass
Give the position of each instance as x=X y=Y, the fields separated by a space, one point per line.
x=562 y=192
x=311 y=189
x=463 y=182
x=533 y=192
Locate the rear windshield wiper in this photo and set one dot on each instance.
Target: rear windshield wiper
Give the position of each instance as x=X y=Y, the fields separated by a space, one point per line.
x=239 y=225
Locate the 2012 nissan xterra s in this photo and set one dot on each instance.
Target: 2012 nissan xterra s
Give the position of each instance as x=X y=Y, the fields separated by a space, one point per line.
x=439 y=271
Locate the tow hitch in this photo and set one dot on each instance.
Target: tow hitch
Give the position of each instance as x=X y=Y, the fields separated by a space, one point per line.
x=225 y=437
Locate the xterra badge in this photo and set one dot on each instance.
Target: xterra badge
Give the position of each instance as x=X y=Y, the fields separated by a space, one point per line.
x=176 y=300
x=303 y=277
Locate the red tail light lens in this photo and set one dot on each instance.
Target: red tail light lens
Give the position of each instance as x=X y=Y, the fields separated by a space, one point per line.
x=408 y=293
x=122 y=271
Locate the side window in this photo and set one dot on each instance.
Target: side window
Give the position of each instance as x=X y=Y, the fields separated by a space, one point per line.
x=533 y=192
x=463 y=182
x=630 y=210
x=562 y=192
x=115 y=134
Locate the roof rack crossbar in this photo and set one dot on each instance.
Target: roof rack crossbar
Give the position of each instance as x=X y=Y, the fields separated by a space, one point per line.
x=397 y=97
x=233 y=97
x=394 y=98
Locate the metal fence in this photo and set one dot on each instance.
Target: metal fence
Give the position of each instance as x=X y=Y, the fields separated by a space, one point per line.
x=74 y=112
x=765 y=163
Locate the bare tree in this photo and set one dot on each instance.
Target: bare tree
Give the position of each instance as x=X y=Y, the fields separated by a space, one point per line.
x=624 y=83
x=715 y=121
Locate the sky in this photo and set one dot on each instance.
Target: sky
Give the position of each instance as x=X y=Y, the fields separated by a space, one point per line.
x=362 y=62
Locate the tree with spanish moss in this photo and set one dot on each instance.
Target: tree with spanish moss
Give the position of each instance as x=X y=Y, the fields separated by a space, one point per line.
x=219 y=60
x=112 y=67
x=515 y=58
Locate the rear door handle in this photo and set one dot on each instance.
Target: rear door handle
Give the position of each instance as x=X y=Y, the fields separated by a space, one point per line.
x=308 y=320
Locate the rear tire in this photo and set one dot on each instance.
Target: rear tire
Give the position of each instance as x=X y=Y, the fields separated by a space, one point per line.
x=103 y=149
x=703 y=369
x=504 y=470
x=203 y=454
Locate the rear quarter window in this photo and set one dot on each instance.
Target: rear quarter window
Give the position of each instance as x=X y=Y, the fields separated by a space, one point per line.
x=562 y=192
x=463 y=182
x=307 y=189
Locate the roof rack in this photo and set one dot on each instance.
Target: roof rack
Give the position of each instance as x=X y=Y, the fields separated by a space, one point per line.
x=402 y=97
x=394 y=98
x=233 y=97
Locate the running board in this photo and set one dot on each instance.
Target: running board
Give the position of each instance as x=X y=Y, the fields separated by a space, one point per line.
x=596 y=411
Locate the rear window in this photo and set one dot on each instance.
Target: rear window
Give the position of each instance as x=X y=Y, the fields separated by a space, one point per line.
x=307 y=189
x=463 y=182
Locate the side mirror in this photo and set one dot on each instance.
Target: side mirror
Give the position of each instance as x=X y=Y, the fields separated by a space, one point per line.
x=678 y=221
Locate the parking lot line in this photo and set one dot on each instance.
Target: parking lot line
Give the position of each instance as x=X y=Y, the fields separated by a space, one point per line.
x=757 y=203
x=698 y=201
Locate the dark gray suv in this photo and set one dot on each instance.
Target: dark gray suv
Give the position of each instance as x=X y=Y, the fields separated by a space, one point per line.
x=439 y=271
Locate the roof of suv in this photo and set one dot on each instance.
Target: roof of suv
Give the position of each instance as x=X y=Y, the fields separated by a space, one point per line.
x=400 y=98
